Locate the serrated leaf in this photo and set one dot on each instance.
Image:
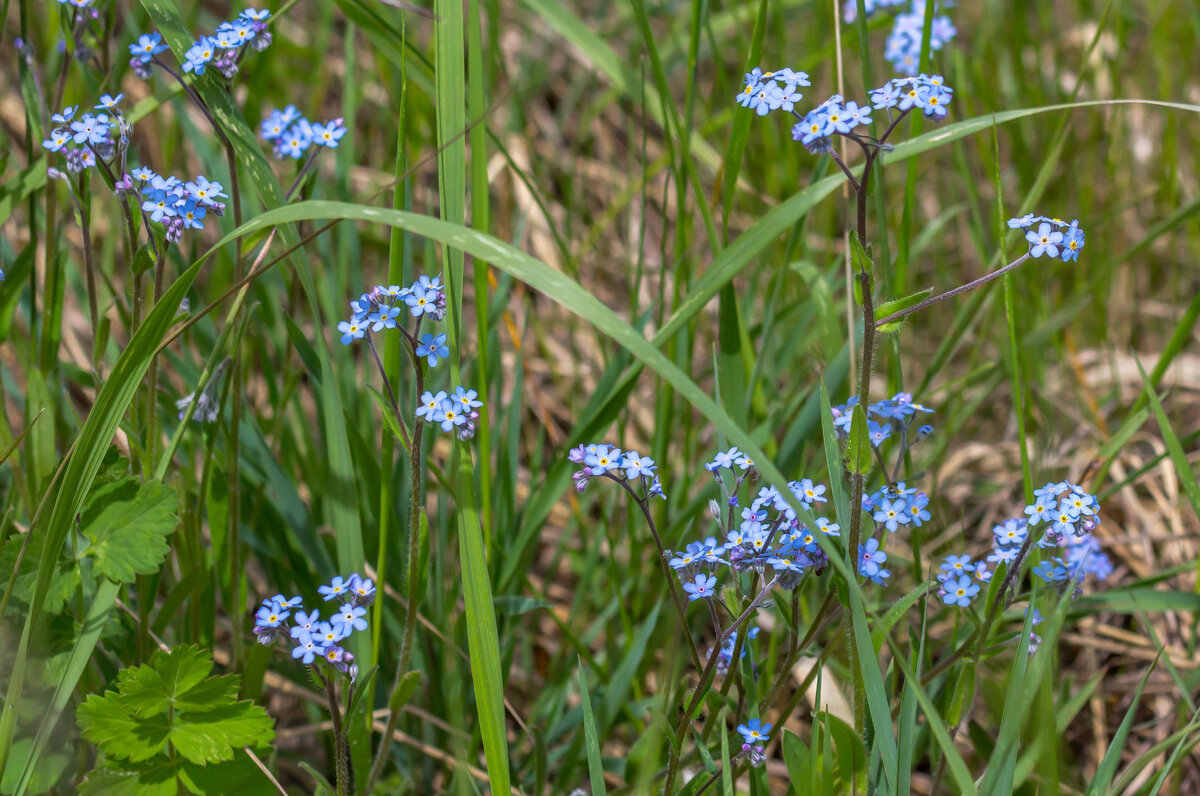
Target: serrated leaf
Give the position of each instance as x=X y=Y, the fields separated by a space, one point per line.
x=206 y=725
x=128 y=523
x=108 y=723
x=858 y=446
x=213 y=735
x=152 y=688
x=888 y=308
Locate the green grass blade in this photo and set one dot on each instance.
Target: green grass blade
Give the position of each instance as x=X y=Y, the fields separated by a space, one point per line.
x=1178 y=457
x=1116 y=747
x=483 y=640
x=591 y=741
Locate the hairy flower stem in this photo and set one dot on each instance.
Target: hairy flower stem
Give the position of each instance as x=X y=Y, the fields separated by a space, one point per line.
x=85 y=226
x=341 y=746
x=151 y=402
x=706 y=676
x=895 y=316
x=415 y=506
x=662 y=560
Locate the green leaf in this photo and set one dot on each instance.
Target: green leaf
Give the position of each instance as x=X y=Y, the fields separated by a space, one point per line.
x=63 y=583
x=483 y=640
x=239 y=775
x=205 y=724
x=591 y=741
x=858 y=447
x=147 y=779
x=1183 y=468
x=155 y=691
x=128 y=524
x=851 y=754
x=389 y=417
x=213 y=735
x=799 y=761
x=515 y=604
x=1117 y=748
x=1131 y=601
x=143 y=261
x=108 y=723
x=163 y=776
x=888 y=308
x=403 y=691
x=885 y=623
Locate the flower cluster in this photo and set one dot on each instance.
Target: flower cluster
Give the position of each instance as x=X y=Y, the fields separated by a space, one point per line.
x=1067 y=515
x=1052 y=237
x=903 y=48
x=892 y=417
x=222 y=51
x=383 y=308
x=956 y=577
x=81 y=141
x=311 y=637
x=175 y=204
x=609 y=461
x=836 y=116
x=773 y=90
x=769 y=534
x=292 y=134
x=927 y=93
x=169 y=201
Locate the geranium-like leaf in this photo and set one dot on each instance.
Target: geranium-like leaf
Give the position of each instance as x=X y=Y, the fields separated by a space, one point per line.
x=152 y=689
x=212 y=735
x=107 y=722
x=128 y=523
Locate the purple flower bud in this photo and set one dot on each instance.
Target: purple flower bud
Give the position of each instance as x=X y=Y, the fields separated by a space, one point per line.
x=226 y=66
x=265 y=635
x=124 y=185
x=139 y=68
x=581 y=479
